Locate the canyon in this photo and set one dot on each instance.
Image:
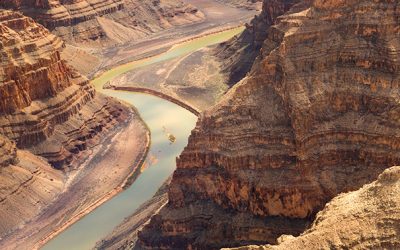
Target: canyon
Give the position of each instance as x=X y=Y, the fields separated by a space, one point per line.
x=52 y=122
x=106 y=21
x=315 y=116
x=295 y=147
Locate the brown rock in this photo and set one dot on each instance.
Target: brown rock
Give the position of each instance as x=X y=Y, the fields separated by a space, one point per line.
x=105 y=21
x=316 y=116
x=368 y=218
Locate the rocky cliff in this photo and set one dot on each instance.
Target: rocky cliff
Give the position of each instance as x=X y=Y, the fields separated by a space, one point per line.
x=239 y=54
x=39 y=92
x=316 y=116
x=105 y=21
x=46 y=109
x=364 y=219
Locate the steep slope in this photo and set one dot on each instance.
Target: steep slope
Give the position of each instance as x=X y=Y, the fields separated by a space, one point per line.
x=39 y=92
x=373 y=223
x=106 y=21
x=316 y=116
x=238 y=54
x=25 y=181
x=46 y=109
x=27 y=184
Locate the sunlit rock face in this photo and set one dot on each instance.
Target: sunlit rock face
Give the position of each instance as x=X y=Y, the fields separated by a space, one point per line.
x=103 y=22
x=47 y=109
x=317 y=115
x=45 y=105
x=238 y=54
x=364 y=219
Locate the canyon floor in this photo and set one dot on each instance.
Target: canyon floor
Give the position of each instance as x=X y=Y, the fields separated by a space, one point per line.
x=92 y=61
x=81 y=193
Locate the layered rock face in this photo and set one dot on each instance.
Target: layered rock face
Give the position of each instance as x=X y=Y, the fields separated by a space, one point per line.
x=46 y=109
x=39 y=92
x=25 y=181
x=239 y=54
x=317 y=115
x=105 y=21
x=368 y=218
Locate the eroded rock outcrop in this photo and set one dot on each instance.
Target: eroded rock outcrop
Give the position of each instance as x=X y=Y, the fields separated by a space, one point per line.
x=239 y=54
x=316 y=116
x=39 y=92
x=49 y=116
x=368 y=218
x=106 y=21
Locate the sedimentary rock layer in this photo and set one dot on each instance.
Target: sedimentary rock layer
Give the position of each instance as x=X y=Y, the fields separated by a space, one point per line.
x=239 y=54
x=368 y=218
x=47 y=109
x=106 y=21
x=317 y=115
x=39 y=92
x=26 y=186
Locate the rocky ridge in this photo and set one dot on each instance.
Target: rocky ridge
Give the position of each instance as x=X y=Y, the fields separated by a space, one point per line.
x=49 y=116
x=40 y=92
x=316 y=116
x=106 y=21
x=372 y=224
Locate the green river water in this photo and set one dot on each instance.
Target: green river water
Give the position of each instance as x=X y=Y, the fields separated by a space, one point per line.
x=159 y=115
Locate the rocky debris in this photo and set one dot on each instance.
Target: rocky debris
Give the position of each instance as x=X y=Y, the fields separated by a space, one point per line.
x=106 y=21
x=27 y=185
x=317 y=115
x=368 y=218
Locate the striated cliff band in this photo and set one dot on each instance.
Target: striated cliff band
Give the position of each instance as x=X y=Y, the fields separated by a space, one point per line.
x=317 y=115
x=50 y=118
x=374 y=222
x=106 y=21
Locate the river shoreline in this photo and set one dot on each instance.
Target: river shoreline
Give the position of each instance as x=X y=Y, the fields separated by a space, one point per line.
x=101 y=200
x=164 y=96
x=156 y=51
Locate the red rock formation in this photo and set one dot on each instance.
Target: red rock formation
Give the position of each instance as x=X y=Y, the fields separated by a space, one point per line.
x=48 y=109
x=316 y=116
x=39 y=92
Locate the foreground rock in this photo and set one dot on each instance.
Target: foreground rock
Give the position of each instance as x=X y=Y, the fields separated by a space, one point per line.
x=50 y=117
x=316 y=116
x=364 y=219
x=106 y=21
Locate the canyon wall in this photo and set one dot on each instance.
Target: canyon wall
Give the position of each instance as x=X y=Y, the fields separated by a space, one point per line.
x=317 y=115
x=368 y=218
x=104 y=22
x=39 y=92
x=238 y=54
x=49 y=116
